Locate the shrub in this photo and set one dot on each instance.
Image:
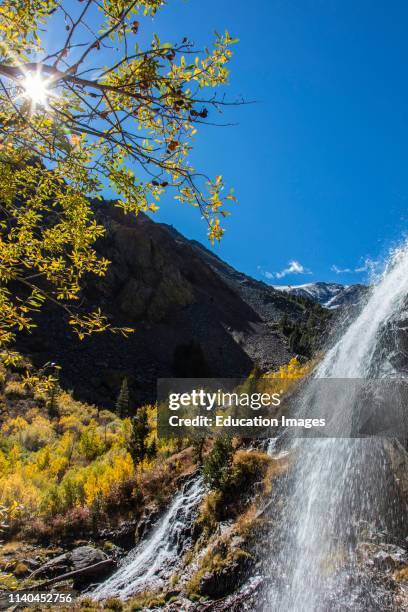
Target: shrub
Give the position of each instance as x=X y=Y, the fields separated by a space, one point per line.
x=31 y=435
x=103 y=476
x=248 y=468
x=15 y=388
x=211 y=513
x=216 y=561
x=37 y=434
x=158 y=483
x=91 y=443
x=78 y=519
x=401 y=575
x=146 y=601
x=244 y=471
x=71 y=471
x=8 y=582
x=3 y=376
x=75 y=522
x=15 y=487
x=249 y=525
x=21 y=570
x=218 y=462
x=68 y=406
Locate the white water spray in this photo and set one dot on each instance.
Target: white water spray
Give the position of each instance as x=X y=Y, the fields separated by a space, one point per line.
x=151 y=563
x=338 y=485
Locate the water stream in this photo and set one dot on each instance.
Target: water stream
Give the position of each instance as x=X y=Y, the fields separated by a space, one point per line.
x=153 y=561
x=339 y=485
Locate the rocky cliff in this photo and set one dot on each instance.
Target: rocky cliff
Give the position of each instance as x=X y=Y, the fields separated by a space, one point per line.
x=193 y=315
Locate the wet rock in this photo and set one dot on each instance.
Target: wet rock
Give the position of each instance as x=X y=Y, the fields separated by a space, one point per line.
x=391 y=558
x=147 y=520
x=228 y=579
x=399 y=461
x=33 y=563
x=123 y=536
x=115 y=552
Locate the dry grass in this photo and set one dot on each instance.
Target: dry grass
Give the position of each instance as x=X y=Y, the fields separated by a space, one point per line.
x=15 y=389
x=401 y=575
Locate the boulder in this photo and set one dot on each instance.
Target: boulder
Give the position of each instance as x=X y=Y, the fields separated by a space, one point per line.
x=226 y=580
x=77 y=559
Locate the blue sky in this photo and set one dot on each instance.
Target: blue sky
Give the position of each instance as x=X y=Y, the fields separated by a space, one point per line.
x=319 y=162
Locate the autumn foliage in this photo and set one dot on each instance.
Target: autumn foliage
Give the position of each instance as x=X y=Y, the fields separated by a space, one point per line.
x=98 y=108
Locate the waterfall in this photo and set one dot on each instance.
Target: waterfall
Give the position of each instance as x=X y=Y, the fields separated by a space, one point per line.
x=338 y=485
x=154 y=559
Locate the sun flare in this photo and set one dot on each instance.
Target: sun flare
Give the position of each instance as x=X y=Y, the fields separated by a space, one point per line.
x=36 y=89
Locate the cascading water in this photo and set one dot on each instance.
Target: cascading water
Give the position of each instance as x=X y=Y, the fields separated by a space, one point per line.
x=339 y=485
x=150 y=563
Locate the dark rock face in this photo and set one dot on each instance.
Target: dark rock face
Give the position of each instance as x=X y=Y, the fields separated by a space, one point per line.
x=268 y=303
x=147 y=520
x=390 y=557
x=123 y=536
x=398 y=458
x=192 y=317
x=395 y=338
x=221 y=583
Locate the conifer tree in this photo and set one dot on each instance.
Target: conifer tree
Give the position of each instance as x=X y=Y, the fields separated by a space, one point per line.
x=218 y=462
x=137 y=446
x=122 y=403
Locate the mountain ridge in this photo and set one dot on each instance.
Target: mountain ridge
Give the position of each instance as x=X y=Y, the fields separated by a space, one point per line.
x=329 y=295
x=193 y=315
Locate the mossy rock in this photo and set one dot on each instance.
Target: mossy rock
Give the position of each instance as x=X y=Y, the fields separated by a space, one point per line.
x=227 y=579
x=221 y=572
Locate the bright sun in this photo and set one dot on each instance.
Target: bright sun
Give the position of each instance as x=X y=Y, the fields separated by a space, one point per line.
x=36 y=88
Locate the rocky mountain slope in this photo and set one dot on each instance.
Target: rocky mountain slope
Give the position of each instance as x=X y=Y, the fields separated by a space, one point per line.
x=268 y=303
x=329 y=295
x=193 y=315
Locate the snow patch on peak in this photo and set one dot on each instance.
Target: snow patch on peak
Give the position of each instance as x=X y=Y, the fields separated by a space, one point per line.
x=329 y=295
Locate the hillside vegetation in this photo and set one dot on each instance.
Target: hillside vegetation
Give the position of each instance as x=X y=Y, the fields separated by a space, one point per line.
x=72 y=467
x=69 y=470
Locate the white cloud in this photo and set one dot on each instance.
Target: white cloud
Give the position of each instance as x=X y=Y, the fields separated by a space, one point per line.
x=338 y=270
x=369 y=265
x=294 y=267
